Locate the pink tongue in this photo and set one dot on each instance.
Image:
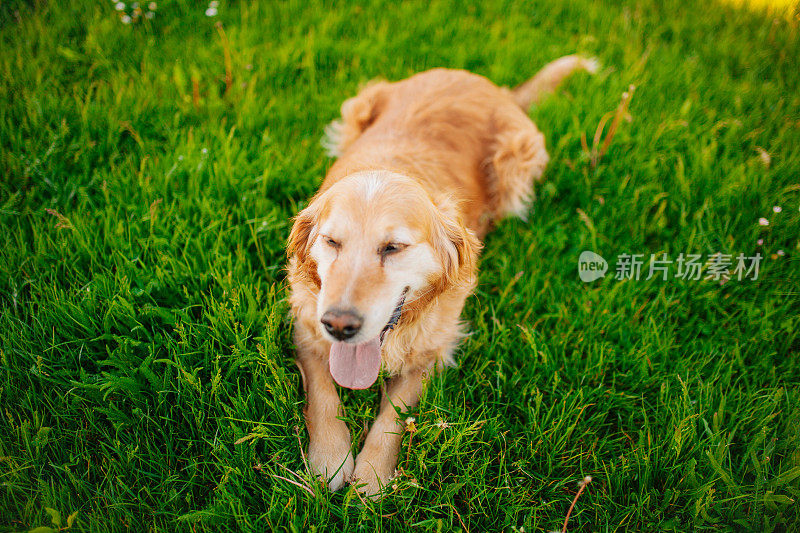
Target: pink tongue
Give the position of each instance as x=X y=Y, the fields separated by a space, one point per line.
x=355 y=366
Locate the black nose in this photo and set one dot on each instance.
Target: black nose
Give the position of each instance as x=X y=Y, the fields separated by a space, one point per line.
x=341 y=324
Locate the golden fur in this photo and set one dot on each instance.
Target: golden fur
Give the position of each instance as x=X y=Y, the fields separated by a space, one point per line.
x=425 y=165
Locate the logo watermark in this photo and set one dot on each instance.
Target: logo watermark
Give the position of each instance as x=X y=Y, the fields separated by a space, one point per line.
x=717 y=266
x=591 y=266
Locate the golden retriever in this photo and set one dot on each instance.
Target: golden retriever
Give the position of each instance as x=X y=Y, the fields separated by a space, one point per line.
x=383 y=257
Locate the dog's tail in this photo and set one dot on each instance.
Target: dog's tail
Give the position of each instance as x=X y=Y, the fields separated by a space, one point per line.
x=547 y=79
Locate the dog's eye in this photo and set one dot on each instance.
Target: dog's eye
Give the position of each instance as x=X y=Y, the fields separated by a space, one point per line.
x=332 y=243
x=390 y=248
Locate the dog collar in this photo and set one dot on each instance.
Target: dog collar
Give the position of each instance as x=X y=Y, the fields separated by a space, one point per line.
x=395 y=315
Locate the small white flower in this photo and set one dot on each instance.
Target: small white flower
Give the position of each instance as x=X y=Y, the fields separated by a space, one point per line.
x=781 y=252
x=180 y=158
x=126 y=19
x=760 y=242
x=766 y=159
x=149 y=15
x=410 y=420
x=204 y=150
x=152 y=6
x=119 y=6
x=776 y=209
x=763 y=221
x=211 y=12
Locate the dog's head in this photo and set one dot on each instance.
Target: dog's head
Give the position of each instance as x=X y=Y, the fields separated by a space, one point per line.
x=372 y=243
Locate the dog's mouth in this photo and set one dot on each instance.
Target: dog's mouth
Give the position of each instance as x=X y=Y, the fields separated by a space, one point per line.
x=356 y=366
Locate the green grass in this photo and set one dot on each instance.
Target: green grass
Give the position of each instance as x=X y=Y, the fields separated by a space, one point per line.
x=146 y=375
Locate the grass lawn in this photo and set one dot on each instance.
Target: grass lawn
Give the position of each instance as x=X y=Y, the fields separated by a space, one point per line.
x=148 y=176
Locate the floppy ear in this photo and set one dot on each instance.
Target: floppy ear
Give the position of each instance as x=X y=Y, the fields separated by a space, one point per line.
x=303 y=233
x=456 y=246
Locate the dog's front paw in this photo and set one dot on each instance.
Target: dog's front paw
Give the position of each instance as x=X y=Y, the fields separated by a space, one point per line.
x=372 y=473
x=332 y=460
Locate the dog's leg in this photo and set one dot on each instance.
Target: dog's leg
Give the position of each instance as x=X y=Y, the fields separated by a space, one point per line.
x=358 y=113
x=329 y=439
x=519 y=159
x=377 y=460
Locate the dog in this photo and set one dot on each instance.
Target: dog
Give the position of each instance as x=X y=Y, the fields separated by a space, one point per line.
x=384 y=256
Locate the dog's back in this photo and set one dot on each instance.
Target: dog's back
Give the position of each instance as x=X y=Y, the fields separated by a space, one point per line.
x=456 y=132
